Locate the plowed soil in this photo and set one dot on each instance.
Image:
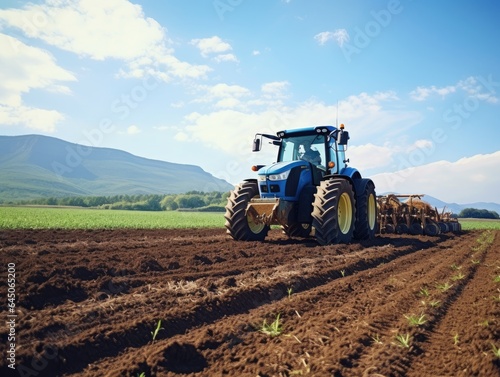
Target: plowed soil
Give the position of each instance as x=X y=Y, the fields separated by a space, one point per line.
x=88 y=304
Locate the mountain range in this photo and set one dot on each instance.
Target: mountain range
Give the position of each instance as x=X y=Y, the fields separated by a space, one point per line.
x=456 y=208
x=34 y=166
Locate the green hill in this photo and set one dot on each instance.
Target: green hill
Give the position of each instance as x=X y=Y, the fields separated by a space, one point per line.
x=34 y=166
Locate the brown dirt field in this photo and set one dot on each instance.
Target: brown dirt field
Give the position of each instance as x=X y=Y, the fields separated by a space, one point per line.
x=88 y=302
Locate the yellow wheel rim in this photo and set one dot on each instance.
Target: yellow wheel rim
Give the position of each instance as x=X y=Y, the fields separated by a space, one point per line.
x=372 y=211
x=345 y=213
x=255 y=228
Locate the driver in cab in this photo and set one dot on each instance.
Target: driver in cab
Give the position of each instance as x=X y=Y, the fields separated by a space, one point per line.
x=310 y=155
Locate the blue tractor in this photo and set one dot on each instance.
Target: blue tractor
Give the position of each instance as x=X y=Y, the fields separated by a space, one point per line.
x=309 y=191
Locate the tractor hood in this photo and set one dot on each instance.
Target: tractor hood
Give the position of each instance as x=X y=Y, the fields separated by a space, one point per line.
x=281 y=167
x=284 y=180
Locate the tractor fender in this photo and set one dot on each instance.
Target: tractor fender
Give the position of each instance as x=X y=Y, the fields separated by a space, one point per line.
x=250 y=180
x=358 y=183
x=348 y=173
x=352 y=173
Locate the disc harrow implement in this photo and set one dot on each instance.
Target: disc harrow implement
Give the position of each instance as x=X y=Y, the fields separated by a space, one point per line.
x=409 y=214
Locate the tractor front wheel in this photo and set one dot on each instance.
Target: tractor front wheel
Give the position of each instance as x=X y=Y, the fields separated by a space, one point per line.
x=238 y=225
x=334 y=212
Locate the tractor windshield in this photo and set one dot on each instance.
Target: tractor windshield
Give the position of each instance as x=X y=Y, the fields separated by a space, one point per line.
x=310 y=148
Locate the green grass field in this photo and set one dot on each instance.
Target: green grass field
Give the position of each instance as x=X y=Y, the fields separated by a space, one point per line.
x=473 y=224
x=80 y=218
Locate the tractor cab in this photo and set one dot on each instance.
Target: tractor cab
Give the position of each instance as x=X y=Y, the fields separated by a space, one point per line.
x=305 y=157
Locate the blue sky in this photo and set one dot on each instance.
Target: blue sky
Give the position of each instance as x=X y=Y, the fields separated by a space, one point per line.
x=417 y=82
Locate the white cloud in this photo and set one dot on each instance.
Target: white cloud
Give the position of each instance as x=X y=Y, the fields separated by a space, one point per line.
x=368 y=118
x=35 y=119
x=422 y=93
x=181 y=136
x=22 y=69
x=467 y=180
x=111 y=29
x=255 y=52
x=275 y=88
x=212 y=45
x=225 y=90
x=370 y=156
x=228 y=103
x=225 y=95
x=323 y=37
x=476 y=87
x=226 y=58
x=216 y=47
x=115 y=29
x=133 y=130
x=340 y=36
x=363 y=115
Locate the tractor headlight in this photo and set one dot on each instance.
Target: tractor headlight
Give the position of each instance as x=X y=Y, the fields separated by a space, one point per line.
x=280 y=176
x=262 y=177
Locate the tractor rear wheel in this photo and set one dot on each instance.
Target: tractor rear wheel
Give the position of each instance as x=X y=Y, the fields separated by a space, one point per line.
x=238 y=225
x=334 y=212
x=366 y=213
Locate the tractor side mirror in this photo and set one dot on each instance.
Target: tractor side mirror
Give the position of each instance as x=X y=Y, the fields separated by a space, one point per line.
x=344 y=136
x=256 y=145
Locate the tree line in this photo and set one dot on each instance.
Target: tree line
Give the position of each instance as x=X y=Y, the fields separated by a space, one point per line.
x=208 y=201
x=478 y=213
x=197 y=200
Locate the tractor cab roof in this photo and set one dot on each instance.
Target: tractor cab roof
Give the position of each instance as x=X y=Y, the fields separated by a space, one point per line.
x=306 y=131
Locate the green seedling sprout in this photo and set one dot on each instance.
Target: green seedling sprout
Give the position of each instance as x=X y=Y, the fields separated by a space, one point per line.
x=455 y=339
x=376 y=339
x=415 y=320
x=289 y=291
x=458 y=276
x=157 y=330
x=495 y=350
x=444 y=287
x=403 y=340
x=424 y=292
x=273 y=329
